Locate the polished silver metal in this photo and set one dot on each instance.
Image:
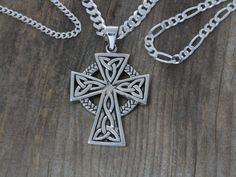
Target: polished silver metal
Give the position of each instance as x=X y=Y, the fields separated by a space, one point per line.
x=110 y=37
x=44 y=29
x=133 y=21
x=108 y=50
x=195 y=43
x=107 y=128
x=95 y=15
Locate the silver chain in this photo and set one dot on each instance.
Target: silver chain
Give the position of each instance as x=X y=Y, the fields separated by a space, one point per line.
x=128 y=26
x=133 y=21
x=197 y=40
x=95 y=15
x=44 y=29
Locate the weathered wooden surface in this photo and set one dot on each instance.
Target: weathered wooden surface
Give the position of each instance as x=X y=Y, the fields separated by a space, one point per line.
x=188 y=128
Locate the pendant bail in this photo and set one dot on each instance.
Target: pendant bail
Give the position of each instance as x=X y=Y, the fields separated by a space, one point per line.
x=110 y=36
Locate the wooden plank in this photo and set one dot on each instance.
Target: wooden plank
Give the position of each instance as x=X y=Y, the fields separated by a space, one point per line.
x=188 y=128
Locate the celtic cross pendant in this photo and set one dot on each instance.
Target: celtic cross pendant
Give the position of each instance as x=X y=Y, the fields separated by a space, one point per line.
x=107 y=128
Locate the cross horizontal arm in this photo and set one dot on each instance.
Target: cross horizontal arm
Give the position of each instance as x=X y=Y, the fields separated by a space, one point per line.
x=84 y=86
x=135 y=88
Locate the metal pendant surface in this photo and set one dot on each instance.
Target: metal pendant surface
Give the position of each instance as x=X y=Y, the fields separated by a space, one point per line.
x=107 y=127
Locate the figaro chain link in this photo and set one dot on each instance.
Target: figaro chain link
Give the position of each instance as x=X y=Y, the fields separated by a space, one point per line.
x=197 y=40
x=44 y=29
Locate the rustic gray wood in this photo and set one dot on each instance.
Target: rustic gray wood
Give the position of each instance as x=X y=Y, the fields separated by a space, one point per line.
x=188 y=128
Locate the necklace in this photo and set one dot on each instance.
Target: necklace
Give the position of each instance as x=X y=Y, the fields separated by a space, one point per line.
x=107 y=128
x=196 y=42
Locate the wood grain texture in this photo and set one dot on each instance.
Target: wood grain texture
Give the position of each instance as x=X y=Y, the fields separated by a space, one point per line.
x=188 y=128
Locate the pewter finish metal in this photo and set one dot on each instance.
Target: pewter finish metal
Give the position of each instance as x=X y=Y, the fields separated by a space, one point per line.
x=196 y=42
x=124 y=109
x=107 y=128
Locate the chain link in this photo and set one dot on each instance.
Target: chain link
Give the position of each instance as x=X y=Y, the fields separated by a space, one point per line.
x=197 y=40
x=44 y=29
x=128 y=26
x=133 y=21
x=95 y=15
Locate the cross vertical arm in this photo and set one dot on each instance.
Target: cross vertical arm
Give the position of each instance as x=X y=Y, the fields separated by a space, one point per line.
x=107 y=127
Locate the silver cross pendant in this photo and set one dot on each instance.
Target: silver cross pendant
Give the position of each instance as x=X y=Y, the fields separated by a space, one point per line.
x=109 y=78
x=107 y=127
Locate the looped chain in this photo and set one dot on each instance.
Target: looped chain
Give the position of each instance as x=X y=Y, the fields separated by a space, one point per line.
x=95 y=16
x=128 y=26
x=138 y=16
x=197 y=40
x=44 y=29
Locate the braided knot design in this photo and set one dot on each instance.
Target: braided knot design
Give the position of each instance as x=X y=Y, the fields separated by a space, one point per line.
x=124 y=109
x=107 y=130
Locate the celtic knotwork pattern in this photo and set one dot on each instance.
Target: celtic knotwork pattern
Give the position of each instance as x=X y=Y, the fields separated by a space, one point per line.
x=86 y=84
x=124 y=109
x=107 y=128
x=110 y=67
x=133 y=87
